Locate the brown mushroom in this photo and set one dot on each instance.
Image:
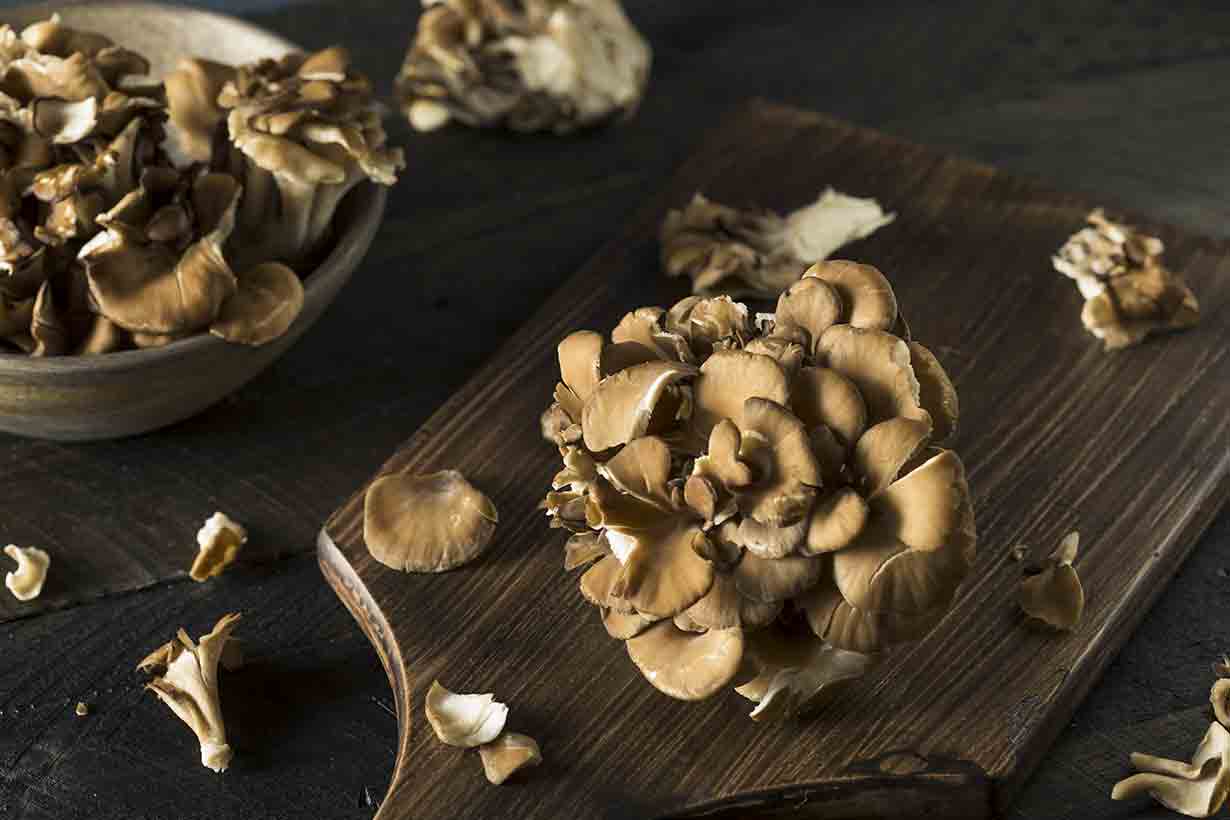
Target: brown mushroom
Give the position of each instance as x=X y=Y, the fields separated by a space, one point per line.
x=26 y=582
x=787 y=469
x=508 y=754
x=819 y=395
x=866 y=297
x=265 y=304
x=461 y=720
x=794 y=673
x=878 y=363
x=427 y=523
x=770 y=580
x=727 y=379
x=936 y=393
x=1055 y=596
x=887 y=449
x=835 y=522
x=192 y=91
x=686 y=665
x=623 y=404
x=1195 y=789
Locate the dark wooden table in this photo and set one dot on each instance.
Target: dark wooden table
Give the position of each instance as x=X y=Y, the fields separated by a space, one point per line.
x=1125 y=100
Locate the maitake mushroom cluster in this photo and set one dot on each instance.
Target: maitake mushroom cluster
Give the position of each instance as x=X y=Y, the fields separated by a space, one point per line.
x=761 y=499
x=1129 y=293
x=529 y=65
x=107 y=243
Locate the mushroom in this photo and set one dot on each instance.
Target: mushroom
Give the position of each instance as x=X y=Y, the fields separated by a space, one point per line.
x=464 y=720
x=1195 y=789
x=267 y=300
x=192 y=91
x=508 y=754
x=301 y=140
x=427 y=523
x=219 y=542
x=1129 y=293
x=26 y=582
x=1055 y=595
x=1219 y=698
x=739 y=472
x=687 y=665
x=189 y=686
x=760 y=253
x=794 y=674
x=544 y=65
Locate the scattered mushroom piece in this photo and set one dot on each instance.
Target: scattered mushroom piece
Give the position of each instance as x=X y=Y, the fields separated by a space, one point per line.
x=427 y=523
x=189 y=686
x=81 y=709
x=746 y=473
x=1055 y=595
x=795 y=673
x=687 y=665
x=1129 y=293
x=266 y=302
x=1195 y=789
x=1219 y=698
x=464 y=720
x=219 y=542
x=508 y=754
x=760 y=253
x=26 y=582
x=542 y=65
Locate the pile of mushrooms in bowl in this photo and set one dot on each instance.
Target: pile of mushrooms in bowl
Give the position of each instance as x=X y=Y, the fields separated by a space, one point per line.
x=161 y=243
x=761 y=501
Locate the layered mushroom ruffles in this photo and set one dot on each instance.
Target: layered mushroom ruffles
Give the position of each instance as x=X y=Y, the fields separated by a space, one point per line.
x=761 y=501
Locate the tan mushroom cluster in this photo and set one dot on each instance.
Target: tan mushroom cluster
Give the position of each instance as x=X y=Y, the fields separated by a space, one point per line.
x=759 y=253
x=761 y=501
x=532 y=65
x=115 y=234
x=1129 y=293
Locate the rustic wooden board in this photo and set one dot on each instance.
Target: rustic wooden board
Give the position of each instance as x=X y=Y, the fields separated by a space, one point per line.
x=1132 y=448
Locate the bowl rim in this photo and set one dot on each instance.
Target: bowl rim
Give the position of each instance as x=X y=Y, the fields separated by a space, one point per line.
x=362 y=204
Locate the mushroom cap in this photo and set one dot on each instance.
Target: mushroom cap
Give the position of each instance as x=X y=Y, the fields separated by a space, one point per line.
x=580 y=357
x=769 y=580
x=727 y=379
x=885 y=449
x=624 y=625
x=1055 y=595
x=266 y=303
x=464 y=720
x=663 y=575
x=879 y=365
x=819 y=395
x=835 y=522
x=426 y=523
x=724 y=607
x=936 y=393
x=622 y=404
x=768 y=541
x=192 y=91
x=1196 y=789
x=721 y=464
x=26 y=582
x=866 y=296
x=641 y=469
x=643 y=327
x=788 y=472
x=1219 y=697
x=810 y=303
x=686 y=665
x=508 y=754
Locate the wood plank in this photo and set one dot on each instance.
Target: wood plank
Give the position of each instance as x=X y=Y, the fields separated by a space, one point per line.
x=1132 y=448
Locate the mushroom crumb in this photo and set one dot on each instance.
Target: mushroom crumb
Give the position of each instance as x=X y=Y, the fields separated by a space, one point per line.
x=464 y=720
x=427 y=523
x=1196 y=789
x=1219 y=695
x=535 y=65
x=760 y=253
x=508 y=754
x=1054 y=595
x=761 y=502
x=81 y=709
x=219 y=542
x=1129 y=293
x=188 y=685
x=26 y=582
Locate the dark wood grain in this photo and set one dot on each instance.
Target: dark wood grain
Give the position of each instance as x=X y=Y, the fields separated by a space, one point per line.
x=1131 y=448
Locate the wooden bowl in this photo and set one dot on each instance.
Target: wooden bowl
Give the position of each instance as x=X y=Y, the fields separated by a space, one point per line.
x=82 y=398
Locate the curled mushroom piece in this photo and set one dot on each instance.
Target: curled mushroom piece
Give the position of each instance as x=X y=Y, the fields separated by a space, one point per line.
x=1195 y=789
x=508 y=754
x=541 y=65
x=776 y=472
x=464 y=720
x=1129 y=292
x=26 y=582
x=1055 y=595
x=760 y=253
x=267 y=300
x=427 y=523
x=304 y=130
x=189 y=686
x=219 y=542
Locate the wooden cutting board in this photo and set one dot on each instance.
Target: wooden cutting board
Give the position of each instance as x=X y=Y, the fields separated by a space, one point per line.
x=1132 y=448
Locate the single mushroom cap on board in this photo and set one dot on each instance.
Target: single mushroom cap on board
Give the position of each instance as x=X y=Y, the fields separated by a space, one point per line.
x=427 y=523
x=727 y=478
x=1054 y=595
x=464 y=720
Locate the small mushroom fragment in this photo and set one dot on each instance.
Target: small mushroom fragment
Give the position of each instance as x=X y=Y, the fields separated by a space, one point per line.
x=1195 y=789
x=219 y=542
x=427 y=523
x=268 y=300
x=1219 y=695
x=26 y=582
x=81 y=709
x=189 y=686
x=760 y=253
x=541 y=65
x=1055 y=595
x=1129 y=292
x=464 y=720
x=794 y=673
x=508 y=754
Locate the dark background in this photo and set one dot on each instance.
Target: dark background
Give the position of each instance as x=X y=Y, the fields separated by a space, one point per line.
x=1125 y=100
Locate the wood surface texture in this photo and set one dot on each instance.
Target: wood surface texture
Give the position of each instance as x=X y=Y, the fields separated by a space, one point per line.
x=1131 y=448
x=1116 y=97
